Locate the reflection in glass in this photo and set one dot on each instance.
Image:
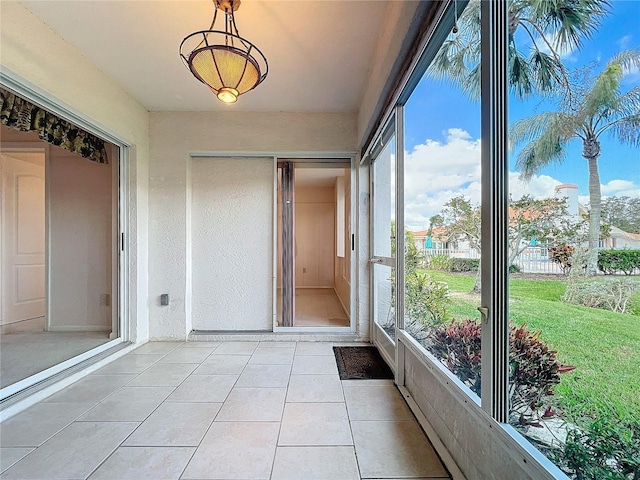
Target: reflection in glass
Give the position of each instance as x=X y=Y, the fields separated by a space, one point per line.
x=442 y=217
x=384 y=201
x=575 y=191
x=59 y=260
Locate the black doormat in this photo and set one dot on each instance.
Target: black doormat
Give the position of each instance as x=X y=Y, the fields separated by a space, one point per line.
x=361 y=363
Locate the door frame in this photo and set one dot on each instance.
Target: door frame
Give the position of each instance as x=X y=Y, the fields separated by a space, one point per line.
x=317 y=160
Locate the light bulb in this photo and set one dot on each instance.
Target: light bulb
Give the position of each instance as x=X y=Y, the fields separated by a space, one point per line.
x=228 y=95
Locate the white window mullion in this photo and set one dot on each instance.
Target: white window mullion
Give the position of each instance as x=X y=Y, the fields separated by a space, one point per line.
x=495 y=211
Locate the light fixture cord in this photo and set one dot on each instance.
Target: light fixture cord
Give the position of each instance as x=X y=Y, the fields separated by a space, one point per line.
x=455 y=13
x=215 y=14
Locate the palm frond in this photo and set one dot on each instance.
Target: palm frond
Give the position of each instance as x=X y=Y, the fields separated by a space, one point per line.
x=519 y=73
x=628 y=103
x=603 y=98
x=546 y=70
x=573 y=20
x=547 y=134
x=627 y=130
x=529 y=128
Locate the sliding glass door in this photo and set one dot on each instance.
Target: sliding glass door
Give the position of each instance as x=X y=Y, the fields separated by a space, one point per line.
x=383 y=245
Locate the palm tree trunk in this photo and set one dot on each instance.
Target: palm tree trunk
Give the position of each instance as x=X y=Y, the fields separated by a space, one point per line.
x=591 y=152
x=477 y=285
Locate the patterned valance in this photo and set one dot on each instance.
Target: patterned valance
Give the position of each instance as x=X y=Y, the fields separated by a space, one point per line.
x=20 y=114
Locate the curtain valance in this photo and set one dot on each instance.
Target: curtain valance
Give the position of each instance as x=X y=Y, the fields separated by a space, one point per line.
x=20 y=114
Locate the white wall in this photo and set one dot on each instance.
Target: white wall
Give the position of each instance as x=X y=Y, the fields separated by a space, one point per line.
x=81 y=239
x=232 y=244
x=315 y=238
x=32 y=51
x=173 y=135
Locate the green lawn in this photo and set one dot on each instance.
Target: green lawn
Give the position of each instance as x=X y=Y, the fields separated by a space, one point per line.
x=605 y=346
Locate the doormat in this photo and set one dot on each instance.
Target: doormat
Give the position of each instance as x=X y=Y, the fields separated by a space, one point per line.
x=361 y=363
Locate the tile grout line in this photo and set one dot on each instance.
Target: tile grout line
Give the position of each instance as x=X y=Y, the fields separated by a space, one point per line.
x=353 y=438
x=284 y=406
x=120 y=445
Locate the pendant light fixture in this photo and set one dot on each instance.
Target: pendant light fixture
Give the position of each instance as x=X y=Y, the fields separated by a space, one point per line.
x=224 y=61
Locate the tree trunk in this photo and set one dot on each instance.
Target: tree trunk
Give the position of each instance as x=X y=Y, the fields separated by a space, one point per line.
x=591 y=151
x=477 y=286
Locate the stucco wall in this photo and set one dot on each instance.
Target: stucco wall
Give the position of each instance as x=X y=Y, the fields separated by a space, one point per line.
x=33 y=52
x=173 y=135
x=232 y=244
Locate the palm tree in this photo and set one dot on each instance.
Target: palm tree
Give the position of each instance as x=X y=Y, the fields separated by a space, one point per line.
x=551 y=27
x=598 y=107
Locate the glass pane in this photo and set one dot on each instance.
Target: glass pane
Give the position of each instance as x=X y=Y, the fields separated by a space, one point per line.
x=572 y=304
x=384 y=195
x=442 y=215
x=44 y=323
x=384 y=298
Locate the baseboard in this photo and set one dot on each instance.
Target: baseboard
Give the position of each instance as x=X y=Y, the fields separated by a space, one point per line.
x=79 y=328
x=23 y=326
x=344 y=308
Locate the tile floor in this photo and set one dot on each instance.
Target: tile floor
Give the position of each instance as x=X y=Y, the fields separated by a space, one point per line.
x=316 y=307
x=232 y=410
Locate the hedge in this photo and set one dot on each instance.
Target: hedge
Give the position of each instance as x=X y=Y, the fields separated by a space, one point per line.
x=616 y=261
x=463 y=264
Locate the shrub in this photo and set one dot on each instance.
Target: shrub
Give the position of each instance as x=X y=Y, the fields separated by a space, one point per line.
x=513 y=268
x=562 y=254
x=463 y=264
x=458 y=345
x=535 y=369
x=614 y=261
x=439 y=262
x=425 y=299
x=603 y=448
x=611 y=294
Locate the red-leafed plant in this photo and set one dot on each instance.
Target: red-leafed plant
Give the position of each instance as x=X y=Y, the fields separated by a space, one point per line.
x=535 y=369
x=561 y=254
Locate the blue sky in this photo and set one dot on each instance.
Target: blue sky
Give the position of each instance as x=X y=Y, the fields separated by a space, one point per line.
x=442 y=131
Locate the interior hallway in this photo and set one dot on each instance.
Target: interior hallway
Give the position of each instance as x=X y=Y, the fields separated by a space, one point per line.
x=316 y=307
x=232 y=410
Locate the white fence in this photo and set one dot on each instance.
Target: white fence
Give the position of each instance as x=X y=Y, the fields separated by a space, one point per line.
x=532 y=260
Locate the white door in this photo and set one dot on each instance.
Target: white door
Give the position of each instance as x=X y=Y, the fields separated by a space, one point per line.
x=23 y=236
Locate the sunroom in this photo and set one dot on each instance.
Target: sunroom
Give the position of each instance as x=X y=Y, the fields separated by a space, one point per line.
x=264 y=228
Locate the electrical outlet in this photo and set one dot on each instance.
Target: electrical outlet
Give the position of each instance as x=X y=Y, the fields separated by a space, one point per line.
x=105 y=300
x=304 y=270
x=164 y=299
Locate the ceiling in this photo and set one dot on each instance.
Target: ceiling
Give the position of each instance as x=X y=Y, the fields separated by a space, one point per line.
x=318 y=177
x=319 y=52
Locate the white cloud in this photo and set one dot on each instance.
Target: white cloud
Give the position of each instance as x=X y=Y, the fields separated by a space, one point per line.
x=565 y=51
x=620 y=188
x=540 y=186
x=436 y=171
x=624 y=42
x=614 y=188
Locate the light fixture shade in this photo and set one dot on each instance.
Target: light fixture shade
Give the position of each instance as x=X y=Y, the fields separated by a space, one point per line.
x=222 y=66
x=224 y=61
